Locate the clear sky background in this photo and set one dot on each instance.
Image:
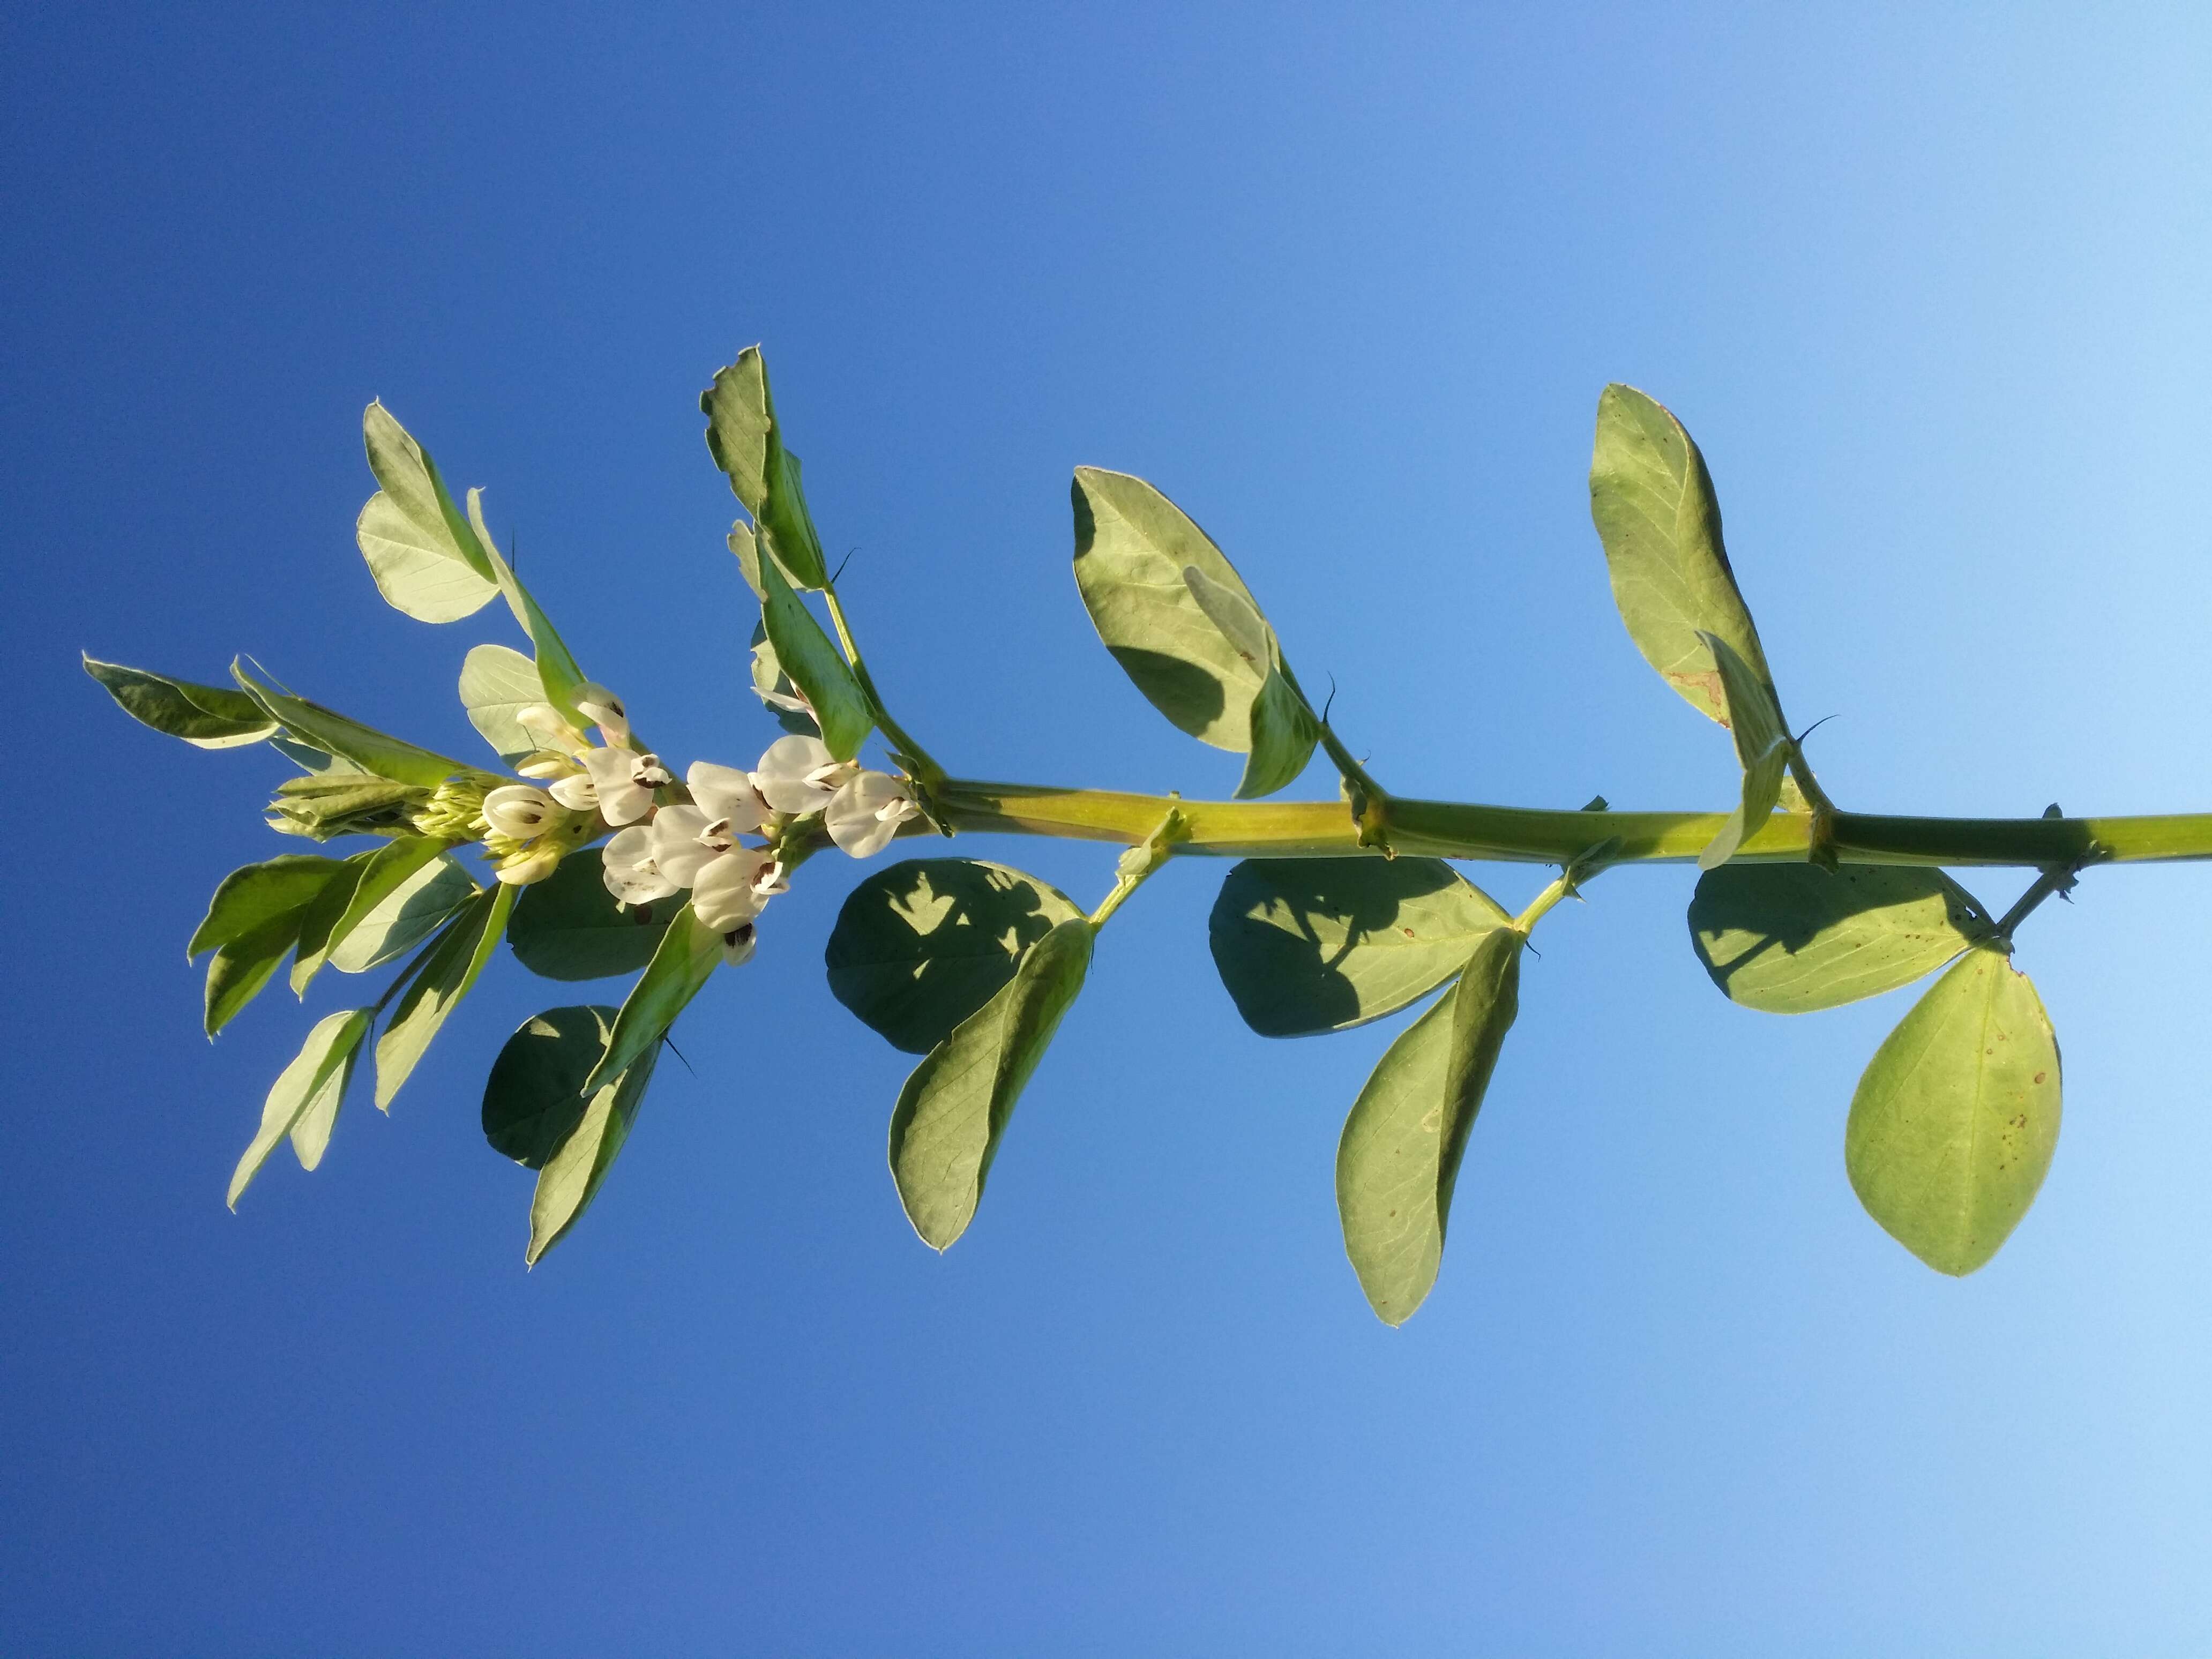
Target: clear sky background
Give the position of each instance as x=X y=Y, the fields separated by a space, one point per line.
x=1929 y=286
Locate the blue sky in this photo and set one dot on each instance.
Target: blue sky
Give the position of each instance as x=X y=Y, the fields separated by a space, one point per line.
x=1927 y=284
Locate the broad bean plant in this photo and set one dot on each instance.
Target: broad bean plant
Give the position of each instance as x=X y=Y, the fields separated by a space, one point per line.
x=591 y=855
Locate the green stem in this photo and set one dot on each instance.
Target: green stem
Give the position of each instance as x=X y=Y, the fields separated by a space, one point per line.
x=2059 y=879
x=926 y=769
x=1140 y=860
x=1455 y=830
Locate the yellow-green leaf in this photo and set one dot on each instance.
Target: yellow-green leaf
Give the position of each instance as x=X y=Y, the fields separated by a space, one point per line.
x=1399 y=1159
x=955 y=1107
x=1653 y=503
x=1953 y=1124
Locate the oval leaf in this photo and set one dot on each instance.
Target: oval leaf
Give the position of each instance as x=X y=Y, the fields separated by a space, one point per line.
x=921 y=946
x=1283 y=732
x=206 y=716
x=441 y=978
x=747 y=443
x=406 y=893
x=1762 y=748
x=574 y=1170
x=684 y=960
x=1788 y=938
x=804 y=653
x=420 y=565
x=1400 y=1157
x=321 y=918
x=496 y=683
x=1133 y=546
x=534 y=1098
x=1306 y=945
x=1953 y=1124
x=1653 y=503
x=374 y=751
x=306 y=1095
x=569 y=926
x=955 y=1107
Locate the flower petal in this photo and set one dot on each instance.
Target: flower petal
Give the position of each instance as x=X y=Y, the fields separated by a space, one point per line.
x=723 y=897
x=678 y=852
x=790 y=772
x=605 y=710
x=520 y=810
x=737 y=944
x=866 y=811
x=724 y=792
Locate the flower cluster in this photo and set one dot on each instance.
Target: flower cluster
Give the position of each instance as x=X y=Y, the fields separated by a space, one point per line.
x=665 y=844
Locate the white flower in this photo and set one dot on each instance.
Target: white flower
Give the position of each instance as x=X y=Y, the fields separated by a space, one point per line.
x=630 y=873
x=799 y=774
x=605 y=710
x=546 y=764
x=526 y=866
x=724 y=792
x=619 y=781
x=550 y=724
x=866 y=811
x=519 y=811
x=684 y=838
x=737 y=944
x=732 y=888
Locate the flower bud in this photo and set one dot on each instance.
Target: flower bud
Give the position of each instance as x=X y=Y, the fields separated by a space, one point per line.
x=521 y=811
x=529 y=865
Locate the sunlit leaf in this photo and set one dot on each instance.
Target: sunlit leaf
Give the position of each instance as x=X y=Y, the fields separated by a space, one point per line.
x=921 y=946
x=1788 y=938
x=576 y=1166
x=322 y=916
x=1399 y=1159
x=684 y=960
x=206 y=716
x=569 y=926
x=1762 y=748
x=406 y=893
x=954 y=1108
x=746 y=442
x=1653 y=502
x=440 y=980
x=374 y=751
x=252 y=922
x=804 y=653
x=303 y=1103
x=1306 y=945
x=1953 y=1124
x=420 y=566
x=1133 y=546
x=1283 y=733
x=496 y=683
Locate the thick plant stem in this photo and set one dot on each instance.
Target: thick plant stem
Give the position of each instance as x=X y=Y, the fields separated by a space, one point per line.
x=1139 y=861
x=1512 y=834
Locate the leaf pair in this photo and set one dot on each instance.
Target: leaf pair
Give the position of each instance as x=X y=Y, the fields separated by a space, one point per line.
x=1652 y=501
x=972 y=965
x=437 y=564
x=537 y=1111
x=1180 y=621
x=355 y=914
x=303 y=1103
x=1309 y=945
x=567 y=1086
x=1954 y=1121
x=779 y=552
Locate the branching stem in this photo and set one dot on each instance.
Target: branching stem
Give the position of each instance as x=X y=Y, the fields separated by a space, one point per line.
x=1455 y=830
